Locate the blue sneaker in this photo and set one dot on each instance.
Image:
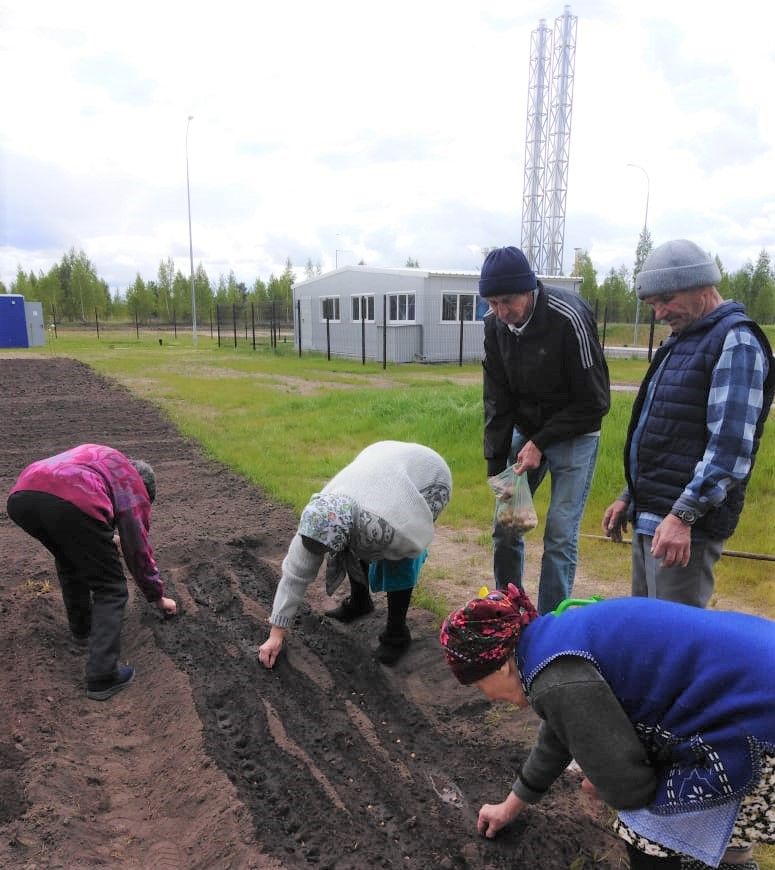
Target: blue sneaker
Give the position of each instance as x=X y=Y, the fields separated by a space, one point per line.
x=101 y=690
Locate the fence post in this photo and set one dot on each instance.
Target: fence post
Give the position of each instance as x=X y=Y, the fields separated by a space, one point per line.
x=460 y=351
x=298 y=320
x=384 y=332
x=218 y=322
x=328 y=336
x=273 y=327
x=253 y=322
x=211 y=321
x=363 y=334
x=174 y=323
x=137 y=326
x=605 y=324
x=54 y=313
x=97 y=321
x=234 y=321
x=651 y=334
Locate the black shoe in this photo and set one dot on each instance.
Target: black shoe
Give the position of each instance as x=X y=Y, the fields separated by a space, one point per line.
x=348 y=610
x=392 y=645
x=101 y=690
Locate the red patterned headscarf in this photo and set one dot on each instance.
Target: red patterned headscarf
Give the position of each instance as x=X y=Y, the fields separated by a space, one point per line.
x=478 y=638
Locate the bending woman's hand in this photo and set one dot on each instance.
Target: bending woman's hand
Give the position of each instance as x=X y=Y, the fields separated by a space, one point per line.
x=167 y=606
x=270 y=648
x=493 y=817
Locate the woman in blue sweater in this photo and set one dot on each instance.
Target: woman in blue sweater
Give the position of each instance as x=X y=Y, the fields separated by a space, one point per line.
x=668 y=709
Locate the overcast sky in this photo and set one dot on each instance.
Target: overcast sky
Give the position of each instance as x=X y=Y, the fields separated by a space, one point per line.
x=344 y=131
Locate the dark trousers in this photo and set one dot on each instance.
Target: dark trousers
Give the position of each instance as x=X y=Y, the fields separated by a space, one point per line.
x=397 y=600
x=89 y=569
x=641 y=861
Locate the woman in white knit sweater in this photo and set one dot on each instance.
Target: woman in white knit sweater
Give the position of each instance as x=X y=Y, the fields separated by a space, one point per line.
x=374 y=522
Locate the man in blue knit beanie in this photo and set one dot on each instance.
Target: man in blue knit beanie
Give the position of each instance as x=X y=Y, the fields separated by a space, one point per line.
x=694 y=430
x=545 y=394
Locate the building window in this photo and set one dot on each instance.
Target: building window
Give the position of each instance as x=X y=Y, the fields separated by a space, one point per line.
x=329 y=307
x=465 y=306
x=401 y=307
x=363 y=309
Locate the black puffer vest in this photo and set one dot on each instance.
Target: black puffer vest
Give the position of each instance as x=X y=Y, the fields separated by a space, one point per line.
x=675 y=434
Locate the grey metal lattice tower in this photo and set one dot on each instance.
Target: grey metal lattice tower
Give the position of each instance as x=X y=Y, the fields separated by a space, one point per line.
x=535 y=144
x=547 y=143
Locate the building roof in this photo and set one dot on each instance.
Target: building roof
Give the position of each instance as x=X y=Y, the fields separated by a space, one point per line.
x=425 y=273
x=387 y=270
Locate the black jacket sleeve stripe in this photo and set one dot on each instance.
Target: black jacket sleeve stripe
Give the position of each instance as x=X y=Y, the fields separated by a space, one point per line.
x=582 y=335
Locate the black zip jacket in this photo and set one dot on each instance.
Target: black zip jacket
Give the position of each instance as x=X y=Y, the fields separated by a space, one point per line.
x=551 y=382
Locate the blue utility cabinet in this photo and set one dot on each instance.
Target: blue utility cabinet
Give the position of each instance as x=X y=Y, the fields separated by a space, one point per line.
x=13 y=321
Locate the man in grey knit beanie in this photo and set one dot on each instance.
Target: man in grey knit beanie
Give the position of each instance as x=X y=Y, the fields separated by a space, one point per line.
x=694 y=430
x=674 y=267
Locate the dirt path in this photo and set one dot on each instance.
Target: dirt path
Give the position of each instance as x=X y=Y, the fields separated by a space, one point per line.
x=208 y=760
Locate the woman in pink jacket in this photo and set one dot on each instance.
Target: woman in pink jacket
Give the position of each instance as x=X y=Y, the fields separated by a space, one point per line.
x=74 y=503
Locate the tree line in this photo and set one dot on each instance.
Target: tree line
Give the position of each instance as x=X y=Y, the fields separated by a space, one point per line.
x=72 y=290
x=753 y=285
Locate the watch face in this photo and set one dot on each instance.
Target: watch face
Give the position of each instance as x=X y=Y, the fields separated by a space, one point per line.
x=688 y=516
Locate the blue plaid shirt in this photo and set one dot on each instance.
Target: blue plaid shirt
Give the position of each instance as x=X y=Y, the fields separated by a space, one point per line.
x=734 y=404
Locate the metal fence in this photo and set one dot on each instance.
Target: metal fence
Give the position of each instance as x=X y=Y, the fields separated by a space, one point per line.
x=377 y=339
x=253 y=324
x=381 y=340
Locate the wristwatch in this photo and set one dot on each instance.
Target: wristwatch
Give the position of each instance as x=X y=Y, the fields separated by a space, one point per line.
x=687 y=516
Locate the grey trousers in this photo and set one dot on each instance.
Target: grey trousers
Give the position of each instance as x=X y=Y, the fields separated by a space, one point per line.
x=690 y=585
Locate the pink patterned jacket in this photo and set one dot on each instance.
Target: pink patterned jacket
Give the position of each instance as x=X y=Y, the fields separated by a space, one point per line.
x=103 y=483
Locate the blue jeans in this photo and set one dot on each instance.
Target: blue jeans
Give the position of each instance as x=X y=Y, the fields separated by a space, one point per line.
x=571 y=465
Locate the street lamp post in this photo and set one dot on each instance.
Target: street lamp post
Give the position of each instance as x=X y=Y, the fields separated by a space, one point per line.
x=645 y=229
x=190 y=242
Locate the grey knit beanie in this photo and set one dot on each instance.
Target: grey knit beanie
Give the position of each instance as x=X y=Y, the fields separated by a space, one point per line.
x=676 y=266
x=506 y=271
x=148 y=475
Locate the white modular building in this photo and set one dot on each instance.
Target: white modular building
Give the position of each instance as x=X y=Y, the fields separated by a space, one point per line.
x=395 y=315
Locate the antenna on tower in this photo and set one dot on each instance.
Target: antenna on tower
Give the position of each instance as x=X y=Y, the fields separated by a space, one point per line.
x=547 y=143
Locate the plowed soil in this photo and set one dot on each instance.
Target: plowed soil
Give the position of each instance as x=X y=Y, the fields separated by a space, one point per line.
x=208 y=760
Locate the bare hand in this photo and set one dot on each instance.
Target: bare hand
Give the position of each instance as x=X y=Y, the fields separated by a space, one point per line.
x=528 y=458
x=167 y=606
x=615 y=520
x=493 y=817
x=270 y=648
x=672 y=542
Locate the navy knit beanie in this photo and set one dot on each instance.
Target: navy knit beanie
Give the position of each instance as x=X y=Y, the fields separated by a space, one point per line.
x=676 y=266
x=505 y=271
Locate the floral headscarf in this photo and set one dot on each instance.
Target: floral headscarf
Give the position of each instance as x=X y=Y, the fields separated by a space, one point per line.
x=478 y=638
x=328 y=518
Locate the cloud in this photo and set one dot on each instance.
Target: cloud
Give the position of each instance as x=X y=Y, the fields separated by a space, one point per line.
x=320 y=128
